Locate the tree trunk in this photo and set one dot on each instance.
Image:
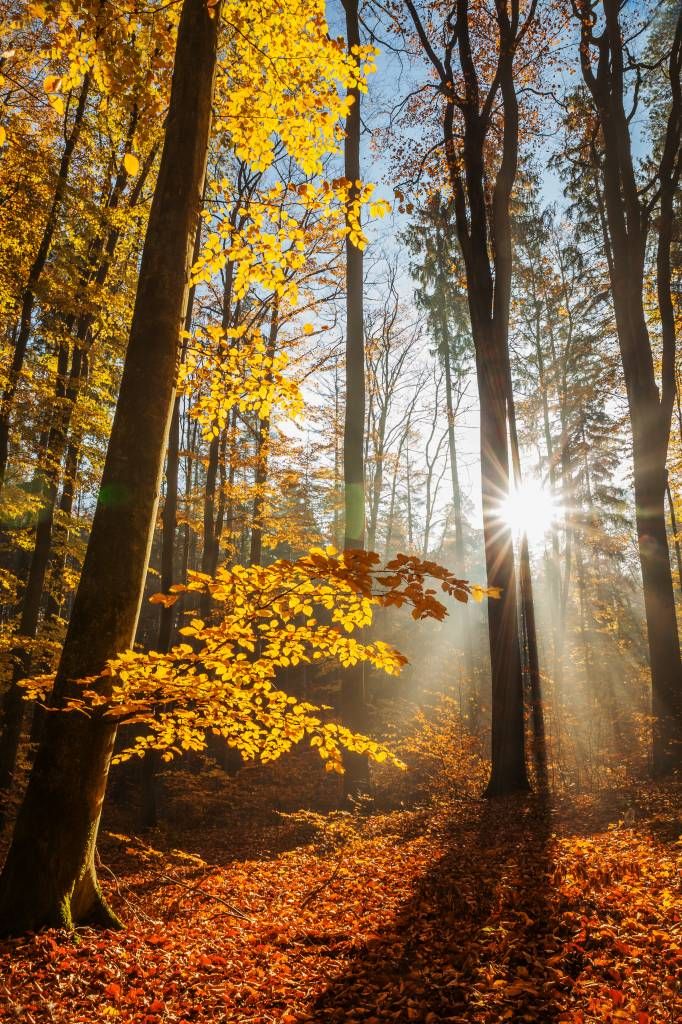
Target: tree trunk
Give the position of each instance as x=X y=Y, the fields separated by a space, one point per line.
x=659 y=606
x=170 y=506
x=537 y=714
x=482 y=217
x=507 y=740
x=49 y=877
x=352 y=704
x=625 y=224
x=378 y=480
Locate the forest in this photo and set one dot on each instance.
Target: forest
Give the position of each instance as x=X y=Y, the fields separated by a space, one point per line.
x=340 y=511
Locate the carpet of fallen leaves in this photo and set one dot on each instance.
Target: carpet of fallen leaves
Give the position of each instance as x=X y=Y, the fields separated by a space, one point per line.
x=486 y=912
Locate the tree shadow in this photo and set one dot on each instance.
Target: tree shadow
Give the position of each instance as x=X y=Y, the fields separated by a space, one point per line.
x=476 y=940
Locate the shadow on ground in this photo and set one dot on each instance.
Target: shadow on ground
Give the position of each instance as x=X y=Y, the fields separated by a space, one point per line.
x=475 y=942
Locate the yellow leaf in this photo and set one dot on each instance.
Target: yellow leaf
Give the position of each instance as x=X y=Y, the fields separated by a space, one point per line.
x=308 y=328
x=52 y=83
x=3 y=136
x=131 y=163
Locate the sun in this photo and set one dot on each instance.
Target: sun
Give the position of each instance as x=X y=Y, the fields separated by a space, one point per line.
x=530 y=509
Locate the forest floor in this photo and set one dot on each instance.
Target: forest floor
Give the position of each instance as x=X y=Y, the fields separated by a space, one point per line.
x=473 y=912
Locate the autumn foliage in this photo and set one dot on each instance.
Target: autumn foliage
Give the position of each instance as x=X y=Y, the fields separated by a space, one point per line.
x=288 y=360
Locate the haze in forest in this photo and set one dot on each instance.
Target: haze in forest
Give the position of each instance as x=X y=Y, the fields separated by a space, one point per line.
x=340 y=450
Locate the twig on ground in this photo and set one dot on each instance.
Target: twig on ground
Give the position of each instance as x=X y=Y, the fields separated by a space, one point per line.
x=323 y=885
x=234 y=911
x=132 y=907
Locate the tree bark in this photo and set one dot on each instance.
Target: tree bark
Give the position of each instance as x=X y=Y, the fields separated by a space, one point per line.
x=49 y=877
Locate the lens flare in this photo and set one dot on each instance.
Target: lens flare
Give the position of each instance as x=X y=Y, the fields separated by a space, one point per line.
x=530 y=509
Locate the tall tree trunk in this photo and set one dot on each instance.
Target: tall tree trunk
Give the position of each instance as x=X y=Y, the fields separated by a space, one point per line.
x=482 y=217
x=169 y=516
x=507 y=739
x=210 y=552
x=626 y=224
x=353 y=697
x=460 y=557
x=49 y=877
x=54 y=603
x=378 y=479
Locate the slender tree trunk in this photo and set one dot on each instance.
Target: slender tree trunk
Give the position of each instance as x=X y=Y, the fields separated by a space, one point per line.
x=169 y=516
x=460 y=556
x=378 y=480
x=454 y=469
x=353 y=697
x=408 y=494
x=49 y=877
x=394 y=488
x=54 y=604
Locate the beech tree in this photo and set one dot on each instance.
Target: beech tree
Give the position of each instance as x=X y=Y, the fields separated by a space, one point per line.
x=70 y=772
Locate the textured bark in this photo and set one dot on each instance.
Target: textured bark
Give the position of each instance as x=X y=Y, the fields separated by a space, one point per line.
x=49 y=877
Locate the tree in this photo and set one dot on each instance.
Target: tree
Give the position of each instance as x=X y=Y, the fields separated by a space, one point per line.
x=67 y=784
x=627 y=210
x=353 y=684
x=479 y=97
x=71 y=767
